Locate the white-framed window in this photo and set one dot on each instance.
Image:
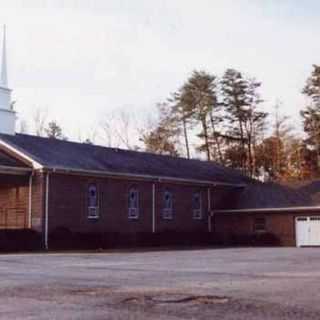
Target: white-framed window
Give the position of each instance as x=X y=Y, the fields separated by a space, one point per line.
x=93 y=202
x=167 y=211
x=197 y=206
x=133 y=203
x=260 y=224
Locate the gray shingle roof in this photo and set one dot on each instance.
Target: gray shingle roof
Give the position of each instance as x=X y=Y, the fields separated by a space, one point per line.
x=54 y=153
x=272 y=195
x=7 y=161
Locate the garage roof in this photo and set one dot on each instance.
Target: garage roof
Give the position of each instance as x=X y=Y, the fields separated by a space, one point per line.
x=273 y=196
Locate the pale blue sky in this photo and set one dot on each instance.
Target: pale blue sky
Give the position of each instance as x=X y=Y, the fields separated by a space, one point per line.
x=89 y=58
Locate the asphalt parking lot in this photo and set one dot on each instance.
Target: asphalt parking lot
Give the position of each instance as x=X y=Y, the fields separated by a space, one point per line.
x=244 y=283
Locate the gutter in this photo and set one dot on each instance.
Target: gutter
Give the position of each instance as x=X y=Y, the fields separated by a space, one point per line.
x=140 y=176
x=27 y=159
x=30 y=201
x=271 y=210
x=153 y=208
x=14 y=170
x=46 y=225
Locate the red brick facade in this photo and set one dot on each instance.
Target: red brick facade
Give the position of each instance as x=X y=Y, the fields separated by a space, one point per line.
x=68 y=205
x=68 y=208
x=279 y=224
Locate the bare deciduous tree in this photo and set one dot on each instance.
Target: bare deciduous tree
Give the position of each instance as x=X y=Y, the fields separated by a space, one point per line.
x=120 y=129
x=39 y=121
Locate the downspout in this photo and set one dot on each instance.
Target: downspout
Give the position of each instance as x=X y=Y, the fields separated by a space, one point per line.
x=30 y=201
x=46 y=213
x=153 y=208
x=209 y=211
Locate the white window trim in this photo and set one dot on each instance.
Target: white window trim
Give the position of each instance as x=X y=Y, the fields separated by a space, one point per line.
x=95 y=216
x=167 y=213
x=196 y=216
x=136 y=210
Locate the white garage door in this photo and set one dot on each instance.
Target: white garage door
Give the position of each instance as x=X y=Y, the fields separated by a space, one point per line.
x=308 y=231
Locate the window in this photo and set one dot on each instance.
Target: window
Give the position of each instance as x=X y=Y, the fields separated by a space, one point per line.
x=167 y=212
x=196 y=206
x=260 y=224
x=133 y=206
x=93 y=203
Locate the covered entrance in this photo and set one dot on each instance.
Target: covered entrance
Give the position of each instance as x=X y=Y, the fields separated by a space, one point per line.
x=308 y=231
x=15 y=193
x=14 y=201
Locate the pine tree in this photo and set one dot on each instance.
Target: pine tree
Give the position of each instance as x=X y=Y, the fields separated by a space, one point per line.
x=198 y=100
x=245 y=121
x=311 y=114
x=233 y=90
x=181 y=115
x=54 y=131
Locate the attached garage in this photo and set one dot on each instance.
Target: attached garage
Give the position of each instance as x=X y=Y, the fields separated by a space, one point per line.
x=308 y=231
x=298 y=227
x=289 y=213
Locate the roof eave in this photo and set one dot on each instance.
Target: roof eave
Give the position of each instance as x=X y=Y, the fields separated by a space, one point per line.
x=28 y=160
x=267 y=210
x=140 y=176
x=14 y=170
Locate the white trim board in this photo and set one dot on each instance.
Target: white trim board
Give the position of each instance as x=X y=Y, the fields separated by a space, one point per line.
x=35 y=164
x=140 y=176
x=14 y=170
x=284 y=209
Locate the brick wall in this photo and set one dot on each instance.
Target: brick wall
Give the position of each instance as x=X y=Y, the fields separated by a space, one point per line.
x=38 y=201
x=282 y=225
x=68 y=205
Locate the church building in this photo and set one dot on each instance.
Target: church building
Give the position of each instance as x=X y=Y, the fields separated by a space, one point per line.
x=48 y=185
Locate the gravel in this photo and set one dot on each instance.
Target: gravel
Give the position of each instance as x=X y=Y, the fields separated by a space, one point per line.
x=244 y=283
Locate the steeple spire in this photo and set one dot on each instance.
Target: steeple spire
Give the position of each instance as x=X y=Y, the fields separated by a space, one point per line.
x=7 y=114
x=4 y=75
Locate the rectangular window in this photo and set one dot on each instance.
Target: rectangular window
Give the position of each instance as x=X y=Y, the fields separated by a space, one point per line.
x=260 y=224
x=167 y=211
x=197 y=206
x=133 y=204
x=93 y=202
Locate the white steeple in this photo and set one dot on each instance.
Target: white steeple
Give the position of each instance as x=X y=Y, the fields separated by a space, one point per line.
x=7 y=114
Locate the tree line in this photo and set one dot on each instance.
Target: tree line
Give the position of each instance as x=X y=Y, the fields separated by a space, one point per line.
x=221 y=119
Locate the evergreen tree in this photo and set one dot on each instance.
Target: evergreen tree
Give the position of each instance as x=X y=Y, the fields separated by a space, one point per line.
x=54 y=131
x=245 y=121
x=311 y=114
x=233 y=91
x=198 y=100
